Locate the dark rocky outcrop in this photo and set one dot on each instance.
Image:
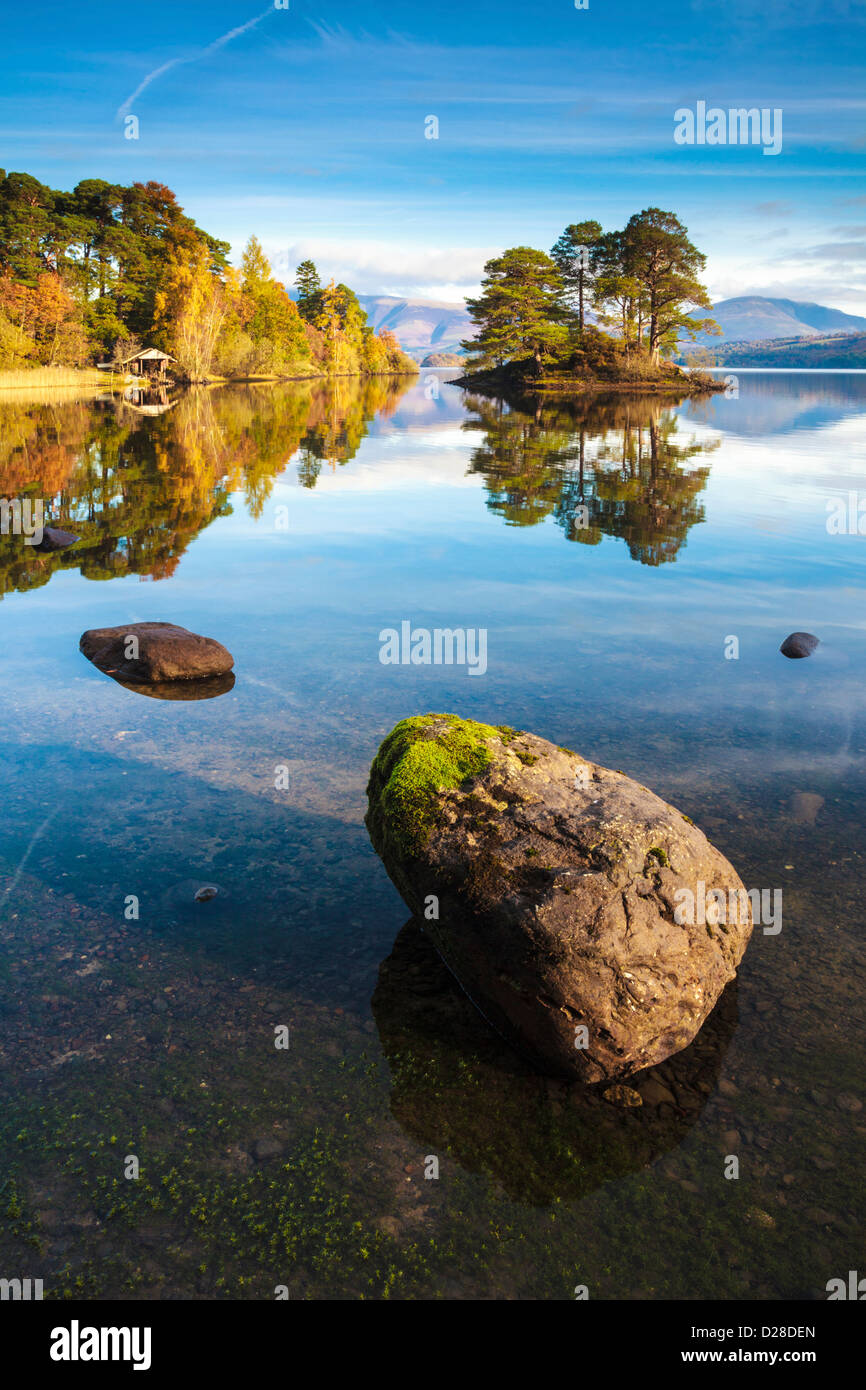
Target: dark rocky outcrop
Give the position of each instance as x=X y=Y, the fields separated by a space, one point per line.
x=552 y=888
x=799 y=644
x=154 y=653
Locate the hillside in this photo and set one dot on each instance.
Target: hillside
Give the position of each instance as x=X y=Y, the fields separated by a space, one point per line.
x=832 y=350
x=754 y=318
x=421 y=325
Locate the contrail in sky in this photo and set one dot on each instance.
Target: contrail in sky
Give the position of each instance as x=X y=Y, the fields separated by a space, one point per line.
x=203 y=53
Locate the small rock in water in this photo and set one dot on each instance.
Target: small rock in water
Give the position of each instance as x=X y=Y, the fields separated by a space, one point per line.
x=205 y=894
x=266 y=1148
x=760 y=1217
x=653 y=1092
x=799 y=644
x=155 y=652
x=55 y=539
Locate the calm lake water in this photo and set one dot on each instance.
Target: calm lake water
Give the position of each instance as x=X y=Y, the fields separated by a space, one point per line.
x=613 y=552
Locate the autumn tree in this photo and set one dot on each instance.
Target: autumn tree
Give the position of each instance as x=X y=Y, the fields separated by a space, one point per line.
x=270 y=317
x=190 y=310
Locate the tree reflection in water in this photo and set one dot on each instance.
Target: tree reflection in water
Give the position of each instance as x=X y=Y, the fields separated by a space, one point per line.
x=608 y=466
x=138 y=479
x=138 y=485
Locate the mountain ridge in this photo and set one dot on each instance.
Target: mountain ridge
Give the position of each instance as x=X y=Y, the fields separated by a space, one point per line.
x=756 y=318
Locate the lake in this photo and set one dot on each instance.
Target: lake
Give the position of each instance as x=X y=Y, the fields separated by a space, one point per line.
x=241 y=1095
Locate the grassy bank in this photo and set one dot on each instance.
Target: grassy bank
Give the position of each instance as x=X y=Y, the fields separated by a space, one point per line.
x=41 y=378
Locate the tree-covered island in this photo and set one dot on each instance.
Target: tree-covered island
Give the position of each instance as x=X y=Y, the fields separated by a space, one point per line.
x=604 y=309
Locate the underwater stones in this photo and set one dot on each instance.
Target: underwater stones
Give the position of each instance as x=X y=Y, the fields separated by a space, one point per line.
x=799 y=644
x=207 y=689
x=189 y=894
x=623 y=1095
x=155 y=653
x=552 y=888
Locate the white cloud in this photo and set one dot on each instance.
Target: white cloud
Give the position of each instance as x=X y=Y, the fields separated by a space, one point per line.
x=381 y=267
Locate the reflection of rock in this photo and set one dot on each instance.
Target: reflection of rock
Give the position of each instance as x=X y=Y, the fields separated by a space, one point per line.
x=558 y=887
x=55 y=539
x=458 y=1088
x=799 y=644
x=150 y=653
x=805 y=807
x=183 y=690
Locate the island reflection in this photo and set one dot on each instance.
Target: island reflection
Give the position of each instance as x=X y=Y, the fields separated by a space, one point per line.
x=601 y=466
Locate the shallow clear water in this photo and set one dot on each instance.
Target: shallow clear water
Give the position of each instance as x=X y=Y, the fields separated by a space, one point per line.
x=295 y=524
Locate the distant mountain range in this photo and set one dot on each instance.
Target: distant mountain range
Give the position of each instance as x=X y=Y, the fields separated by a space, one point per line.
x=421 y=326
x=756 y=330
x=754 y=318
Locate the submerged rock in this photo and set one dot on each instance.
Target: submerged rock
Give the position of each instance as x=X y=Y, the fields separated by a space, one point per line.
x=805 y=807
x=550 y=886
x=799 y=644
x=151 y=653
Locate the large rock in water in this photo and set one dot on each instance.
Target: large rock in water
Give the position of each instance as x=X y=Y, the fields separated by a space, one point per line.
x=145 y=653
x=557 y=886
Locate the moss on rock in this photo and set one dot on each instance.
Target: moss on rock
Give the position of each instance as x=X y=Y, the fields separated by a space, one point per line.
x=423 y=756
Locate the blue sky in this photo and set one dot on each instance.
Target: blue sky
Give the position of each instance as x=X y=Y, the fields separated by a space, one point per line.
x=307 y=127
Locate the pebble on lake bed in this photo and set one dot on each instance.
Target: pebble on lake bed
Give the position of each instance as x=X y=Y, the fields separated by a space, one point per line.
x=805 y=807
